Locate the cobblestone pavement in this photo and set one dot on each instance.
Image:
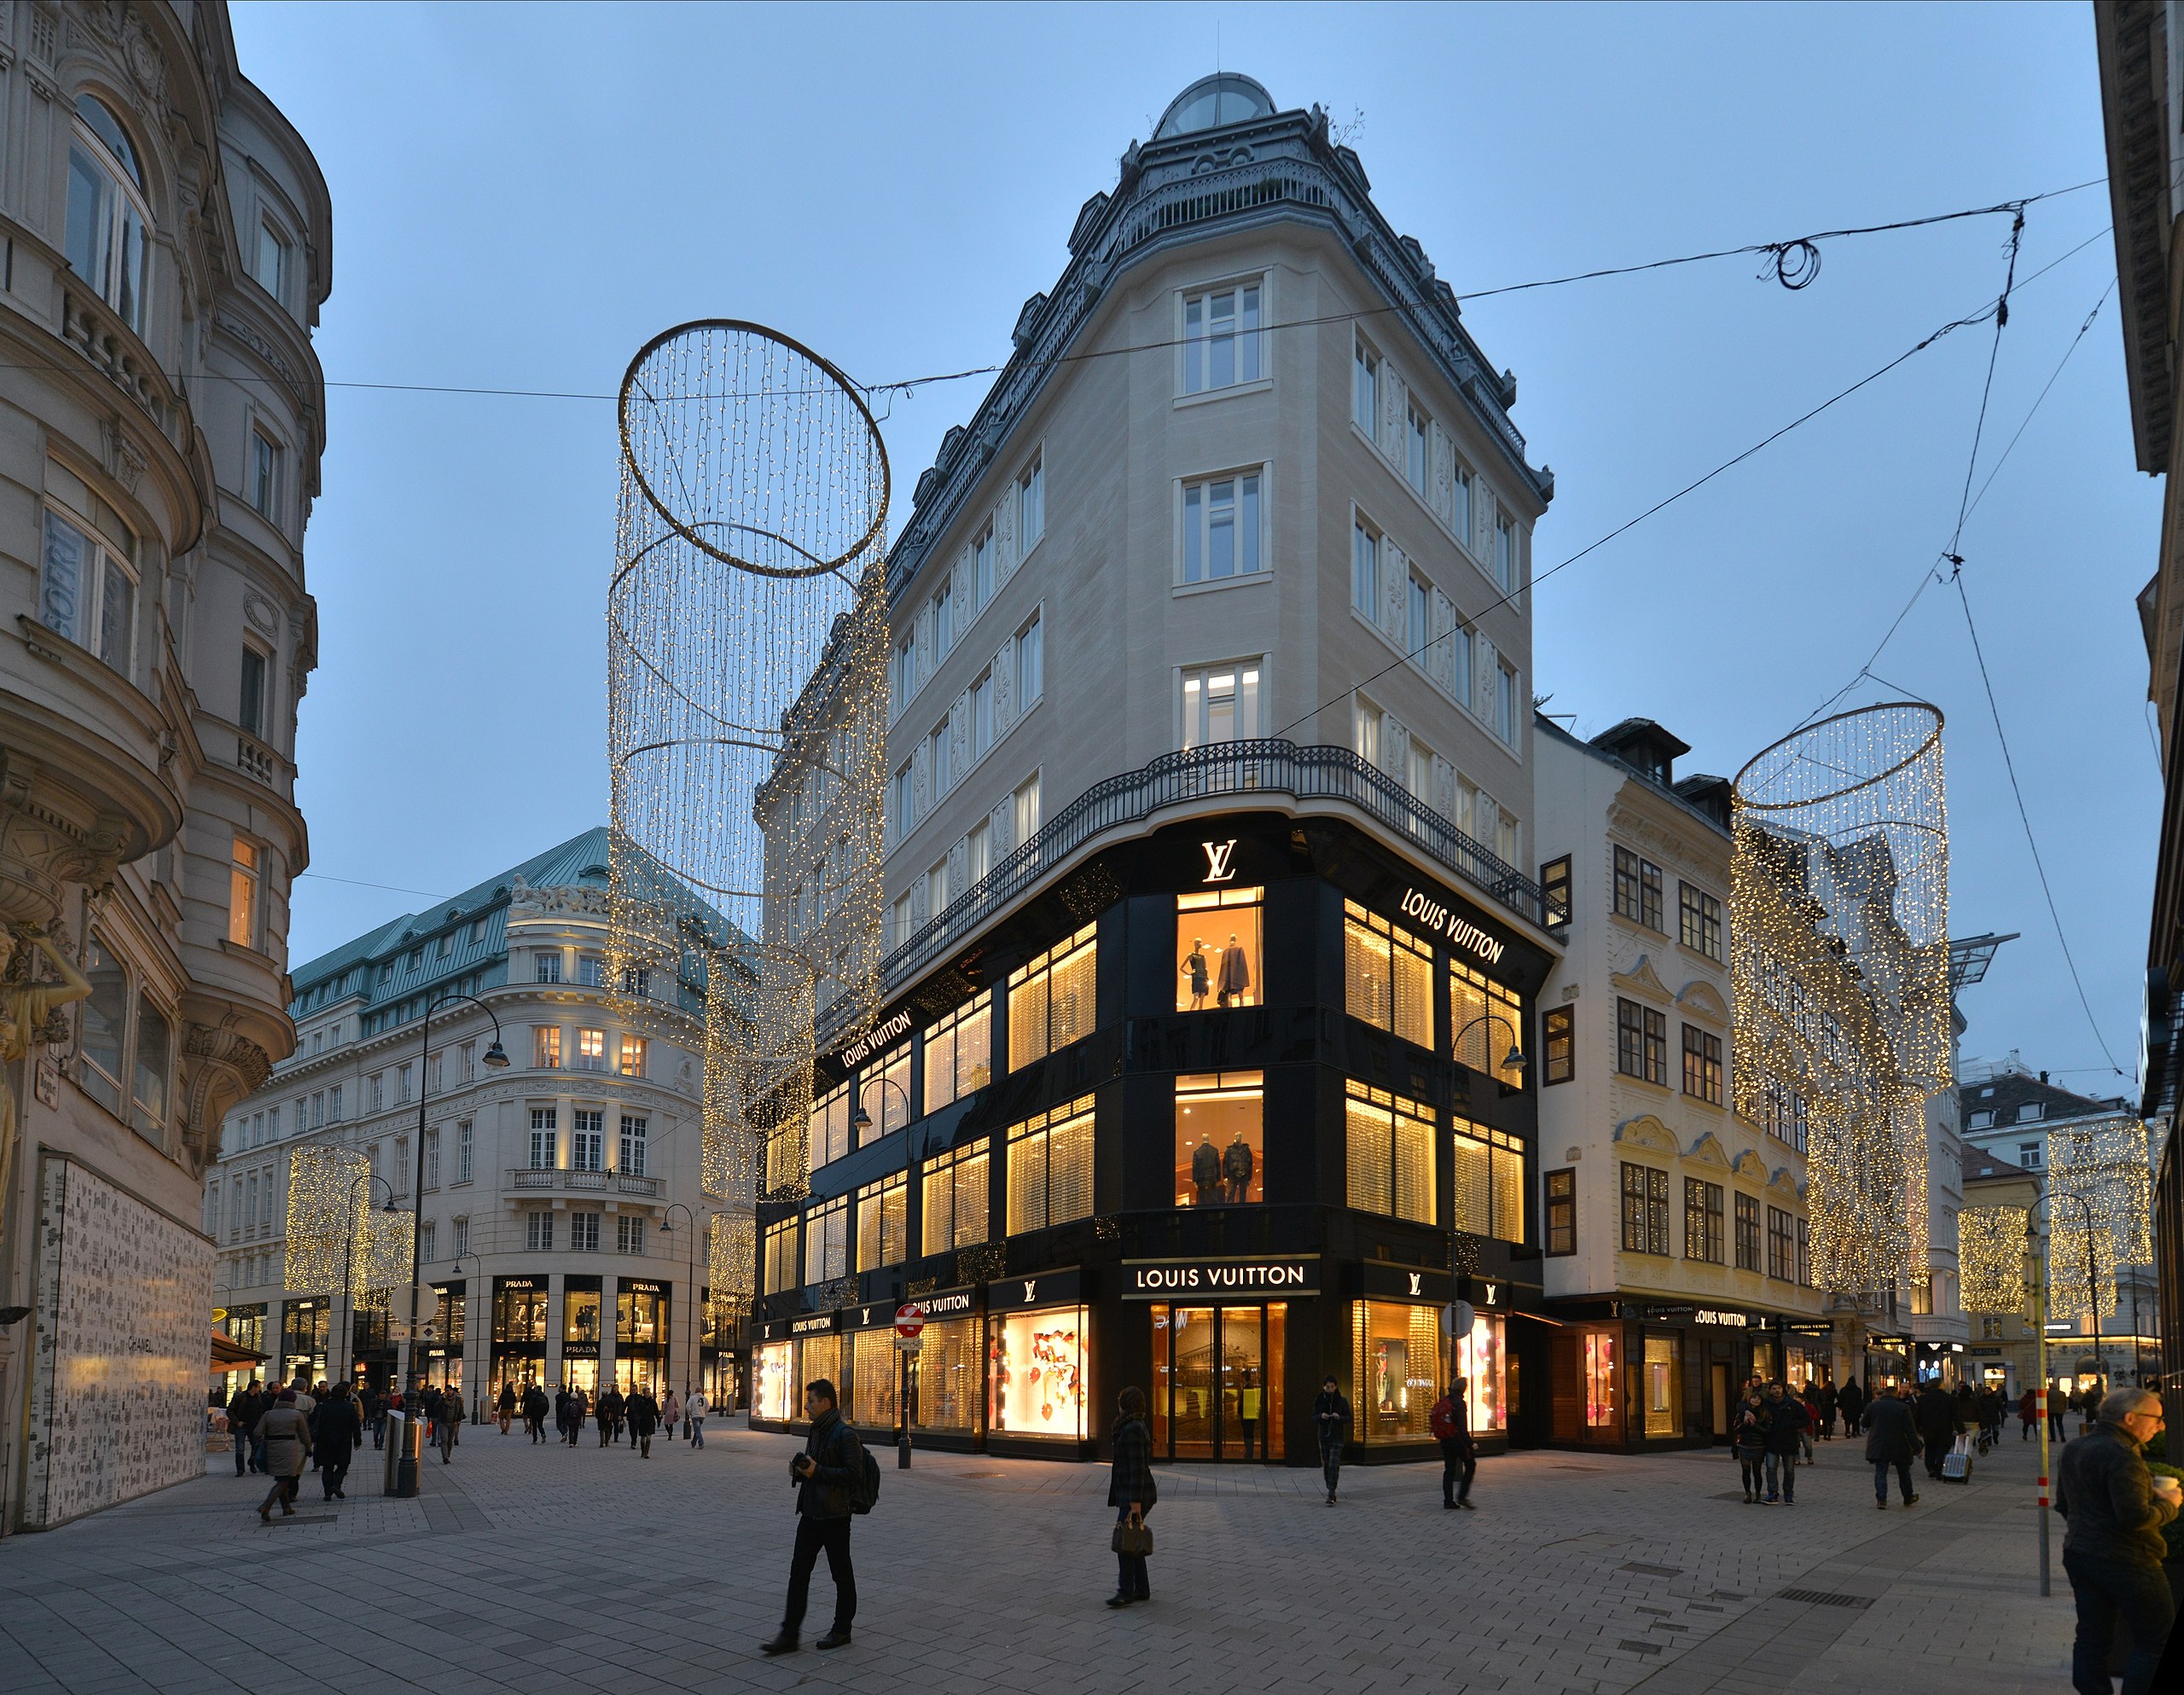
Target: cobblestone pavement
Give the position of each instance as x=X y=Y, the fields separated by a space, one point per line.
x=545 y=1570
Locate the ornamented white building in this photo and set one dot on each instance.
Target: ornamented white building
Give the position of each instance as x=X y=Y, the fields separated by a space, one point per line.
x=165 y=246
x=566 y=1234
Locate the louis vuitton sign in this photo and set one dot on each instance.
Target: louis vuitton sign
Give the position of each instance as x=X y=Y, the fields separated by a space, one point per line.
x=1436 y=916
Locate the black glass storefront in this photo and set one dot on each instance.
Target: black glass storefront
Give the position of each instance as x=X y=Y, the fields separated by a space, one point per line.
x=1194 y=1121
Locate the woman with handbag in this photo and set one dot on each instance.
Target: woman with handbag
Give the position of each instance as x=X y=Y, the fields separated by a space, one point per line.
x=1131 y=1492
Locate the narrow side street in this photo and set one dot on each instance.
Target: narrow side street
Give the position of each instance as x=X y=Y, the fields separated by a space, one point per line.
x=547 y=1569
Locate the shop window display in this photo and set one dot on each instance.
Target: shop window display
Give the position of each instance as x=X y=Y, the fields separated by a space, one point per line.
x=1663 y=1386
x=1479 y=1359
x=1035 y=1373
x=1387 y=975
x=775 y=1394
x=1603 y=1402
x=1389 y=1153
x=1050 y=1167
x=818 y=1356
x=947 y=1369
x=1220 y=1139
x=959 y=1052
x=1217 y=949
x=1485 y=1019
x=1396 y=1354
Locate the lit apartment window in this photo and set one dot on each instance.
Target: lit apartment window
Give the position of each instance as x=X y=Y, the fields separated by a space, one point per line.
x=87 y=590
x=1644 y=1209
x=1050 y=1167
x=1221 y=528
x=105 y=238
x=265 y=472
x=591 y=1050
x=1024 y=807
x=632 y=1063
x=242 y=894
x=1704 y=1228
x=1365 y=390
x=1051 y=999
x=959 y=1052
x=1221 y=703
x=955 y=1200
x=881 y=1216
x=1389 y=1154
x=545 y=1047
x=1031 y=664
x=1387 y=975
x=1221 y=339
x=1365 y=570
x=1702 y=1065
x=1030 y=505
x=1561 y=1189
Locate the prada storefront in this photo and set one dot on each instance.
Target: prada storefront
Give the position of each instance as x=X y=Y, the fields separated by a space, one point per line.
x=1216 y=1118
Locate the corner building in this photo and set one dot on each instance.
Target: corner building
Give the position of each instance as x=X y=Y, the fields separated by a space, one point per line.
x=1207 y=922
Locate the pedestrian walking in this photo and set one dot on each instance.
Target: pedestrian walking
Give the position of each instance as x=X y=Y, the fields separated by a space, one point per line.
x=1827 y=1404
x=1451 y=1422
x=1331 y=1419
x=608 y=1411
x=695 y=1410
x=2028 y=1413
x=534 y=1413
x=1852 y=1403
x=286 y=1433
x=1810 y=1396
x=1131 y=1491
x=671 y=1413
x=643 y=1414
x=1786 y=1428
x=245 y=1408
x=337 y=1432
x=2059 y=1407
x=1891 y=1438
x=507 y=1405
x=1748 y=1441
x=2114 y=1547
x=828 y=1474
x=1940 y=1416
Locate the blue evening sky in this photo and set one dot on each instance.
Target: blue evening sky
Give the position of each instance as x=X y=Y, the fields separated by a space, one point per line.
x=523 y=194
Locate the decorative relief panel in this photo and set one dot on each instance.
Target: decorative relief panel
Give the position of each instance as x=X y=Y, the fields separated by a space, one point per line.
x=120 y=1355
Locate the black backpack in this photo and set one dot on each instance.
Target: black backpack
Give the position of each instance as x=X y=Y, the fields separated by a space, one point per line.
x=864 y=1483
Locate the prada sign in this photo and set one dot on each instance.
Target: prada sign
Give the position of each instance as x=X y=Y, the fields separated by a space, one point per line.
x=1173 y=1279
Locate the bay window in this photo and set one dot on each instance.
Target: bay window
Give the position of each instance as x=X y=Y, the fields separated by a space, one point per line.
x=87 y=588
x=105 y=238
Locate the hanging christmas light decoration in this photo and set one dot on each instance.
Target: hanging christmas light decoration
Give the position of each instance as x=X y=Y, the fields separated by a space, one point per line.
x=328 y=1201
x=2099 y=1178
x=732 y=1264
x=383 y=1249
x=746 y=641
x=1990 y=1249
x=1839 y=952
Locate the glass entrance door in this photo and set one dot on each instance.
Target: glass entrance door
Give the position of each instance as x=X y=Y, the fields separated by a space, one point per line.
x=1195 y=1426
x=1218 y=1382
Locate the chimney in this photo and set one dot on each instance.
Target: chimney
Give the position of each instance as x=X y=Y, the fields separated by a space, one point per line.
x=2043 y=1076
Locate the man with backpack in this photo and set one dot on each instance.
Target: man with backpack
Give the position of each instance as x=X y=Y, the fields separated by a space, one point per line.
x=835 y=1478
x=1451 y=1421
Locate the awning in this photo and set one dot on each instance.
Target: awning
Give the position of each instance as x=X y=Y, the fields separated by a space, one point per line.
x=230 y=1356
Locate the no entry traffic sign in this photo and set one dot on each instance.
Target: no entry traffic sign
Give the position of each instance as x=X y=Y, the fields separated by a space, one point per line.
x=909 y=1319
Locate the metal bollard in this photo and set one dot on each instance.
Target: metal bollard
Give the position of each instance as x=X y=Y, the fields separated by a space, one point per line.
x=406 y=1449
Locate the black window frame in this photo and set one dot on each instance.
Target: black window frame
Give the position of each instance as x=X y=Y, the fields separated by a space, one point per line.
x=1555 y=892
x=1645 y=1227
x=1747 y=1234
x=1704 y=1223
x=1559 y=1211
x=1641 y=1041
x=1699 y=912
x=1702 y=1065
x=1558 y=1043
x=1781 y=1245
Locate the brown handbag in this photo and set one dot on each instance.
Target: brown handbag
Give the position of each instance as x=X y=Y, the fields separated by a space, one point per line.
x=1133 y=1537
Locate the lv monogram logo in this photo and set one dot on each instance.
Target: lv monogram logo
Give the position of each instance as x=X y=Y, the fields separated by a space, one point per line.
x=1029 y=1284
x=1218 y=854
x=1417 y=1278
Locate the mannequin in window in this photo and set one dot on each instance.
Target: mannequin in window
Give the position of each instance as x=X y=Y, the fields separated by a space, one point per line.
x=1205 y=1173
x=1235 y=978
x=1237 y=1165
x=1193 y=967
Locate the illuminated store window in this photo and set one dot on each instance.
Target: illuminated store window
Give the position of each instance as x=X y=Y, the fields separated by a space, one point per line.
x=955 y=1200
x=882 y=1210
x=827 y=1241
x=1050 y=1167
x=948 y=1375
x=1397 y=1355
x=1035 y=1372
x=873 y=1369
x=776 y=1394
x=1051 y=999
x=1480 y=1359
x=884 y=1091
x=959 y=1052
x=1489 y=1167
x=778 y=1258
x=1664 y=1385
x=1387 y=975
x=1220 y=1139
x=1217 y=949
x=830 y=1127
x=1389 y=1153
x=1485 y=1019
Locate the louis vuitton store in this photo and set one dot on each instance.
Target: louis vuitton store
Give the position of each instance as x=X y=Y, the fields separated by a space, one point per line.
x=1215 y=1140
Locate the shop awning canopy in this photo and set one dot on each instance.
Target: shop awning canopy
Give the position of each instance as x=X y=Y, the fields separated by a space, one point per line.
x=230 y=1356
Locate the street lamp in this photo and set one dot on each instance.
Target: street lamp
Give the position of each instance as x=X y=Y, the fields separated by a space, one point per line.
x=1512 y=1061
x=667 y=1225
x=861 y=1121
x=349 y=1269
x=497 y=1058
x=2092 y=1292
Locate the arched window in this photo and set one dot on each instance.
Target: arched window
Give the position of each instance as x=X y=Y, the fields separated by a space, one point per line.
x=107 y=219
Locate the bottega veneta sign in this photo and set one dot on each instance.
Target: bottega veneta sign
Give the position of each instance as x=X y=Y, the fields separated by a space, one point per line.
x=1422 y=908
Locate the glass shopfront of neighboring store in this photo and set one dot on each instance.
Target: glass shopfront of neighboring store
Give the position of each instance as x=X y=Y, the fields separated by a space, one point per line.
x=580 y=1334
x=775 y=1394
x=518 y=1341
x=303 y=1339
x=441 y=1357
x=641 y=1313
x=947 y=1384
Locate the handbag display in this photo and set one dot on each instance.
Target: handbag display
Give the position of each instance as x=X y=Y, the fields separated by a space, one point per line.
x=1133 y=1537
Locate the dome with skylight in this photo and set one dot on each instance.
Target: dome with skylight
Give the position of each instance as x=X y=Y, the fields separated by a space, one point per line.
x=1211 y=103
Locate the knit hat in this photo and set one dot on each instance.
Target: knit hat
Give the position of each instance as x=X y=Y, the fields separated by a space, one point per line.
x=287 y=1396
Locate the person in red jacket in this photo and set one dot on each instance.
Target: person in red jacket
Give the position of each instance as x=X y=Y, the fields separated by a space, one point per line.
x=2028 y=1413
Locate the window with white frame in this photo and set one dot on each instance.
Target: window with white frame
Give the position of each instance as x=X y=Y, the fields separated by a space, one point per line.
x=1366 y=726
x=978 y=852
x=545 y=1138
x=981 y=709
x=1030 y=504
x=1459 y=502
x=1222 y=338
x=107 y=234
x=1365 y=569
x=1221 y=703
x=428 y=1244
x=1221 y=528
x=265 y=474
x=944 y=621
x=1418 y=621
x=242 y=892
x=982 y=583
x=1463 y=659
x=1505 y=704
x=903 y=672
x=631 y=1163
x=252 y=706
x=269 y=260
x=1025 y=807
x=1419 y=779
x=936 y=889
x=87 y=586
x=546 y=966
x=628 y=1234
x=1418 y=449
x=1031 y=664
x=1505 y=552
x=1365 y=389
x=588 y=1142
x=584 y=1231
x=903 y=800
x=466 y=1151
x=904 y=923
x=461 y=1236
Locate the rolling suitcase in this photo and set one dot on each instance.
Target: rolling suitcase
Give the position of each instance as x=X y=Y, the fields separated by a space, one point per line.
x=1956 y=1468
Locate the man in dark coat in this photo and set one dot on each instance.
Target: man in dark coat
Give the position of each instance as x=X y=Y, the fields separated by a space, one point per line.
x=1826 y=1395
x=1940 y=1417
x=607 y=1409
x=1852 y=1401
x=1891 y=1436
x=643 y=1414
x=1785 y=1420
x=2113 y=1549
x=337 y=1431
x=244 y=1408
x=1331 y=1420
x=832 y=1462
x=534 y=1412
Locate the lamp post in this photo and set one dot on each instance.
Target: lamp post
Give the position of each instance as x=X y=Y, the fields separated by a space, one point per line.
x=1512 y=1061
x=667 y=1224
x=2036 y=1252
x=861 y=1121
x=497 y=1058
x=2092 y=1292
x=349 y=1270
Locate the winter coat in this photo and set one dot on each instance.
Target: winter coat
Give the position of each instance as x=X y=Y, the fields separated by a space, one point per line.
x=1827 y=1401
x=507 y=1402
x=609 y=1409
x=1206 y=1167
x=1753 y=1430
x=2103 y=1488
x=1237 y=1163
x=1131 y=1476
x=2028 y=1405
x=245 y=1410
x=287 y=1434
x=336 y=1429
x=1890 y=1431
x=1786 y=1419
x=1852 y=1400
x=534 y=1402
x=1940 y=1416
x=837 y=1456
x=1235 y=972
x=643 y=1413
x=694 y=1409
x=1331 y=1417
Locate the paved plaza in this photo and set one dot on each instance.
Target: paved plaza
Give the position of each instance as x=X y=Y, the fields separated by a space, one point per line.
x=547 y=1570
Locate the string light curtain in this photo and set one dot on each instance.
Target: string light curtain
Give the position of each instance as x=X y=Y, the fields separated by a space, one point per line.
x=329 y=1203
x=746 y=684
x=1839 y=954
x=2107 y=1161
x=1990 y=1249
